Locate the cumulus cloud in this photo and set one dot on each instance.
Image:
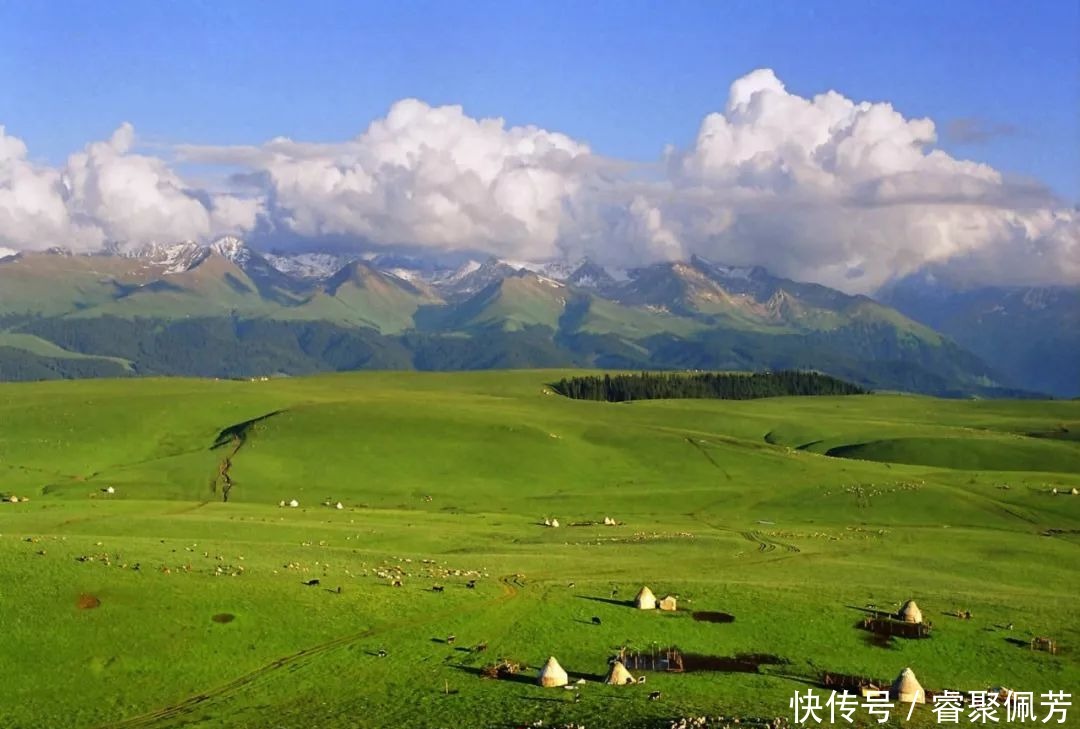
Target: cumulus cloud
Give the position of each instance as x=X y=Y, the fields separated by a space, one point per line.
x=106 y=193
x=848 y=193
x=422 y=176
x=34 y=210
x=852 y=194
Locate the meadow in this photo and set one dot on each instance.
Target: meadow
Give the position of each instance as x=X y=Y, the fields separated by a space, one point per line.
x=132 y=594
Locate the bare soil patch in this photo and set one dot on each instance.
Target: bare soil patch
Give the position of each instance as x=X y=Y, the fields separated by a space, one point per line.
x=87 y=601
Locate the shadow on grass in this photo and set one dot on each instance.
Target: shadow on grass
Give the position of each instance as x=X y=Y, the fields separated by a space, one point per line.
x=608 y=600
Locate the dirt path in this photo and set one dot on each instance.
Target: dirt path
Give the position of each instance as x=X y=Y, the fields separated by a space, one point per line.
x=708 y=456
x=236 y=435
x=510 y=589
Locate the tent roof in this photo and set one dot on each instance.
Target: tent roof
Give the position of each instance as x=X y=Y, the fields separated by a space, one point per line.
x=907 y=687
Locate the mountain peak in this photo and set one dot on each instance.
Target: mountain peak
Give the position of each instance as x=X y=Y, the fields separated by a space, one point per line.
x=233 y=249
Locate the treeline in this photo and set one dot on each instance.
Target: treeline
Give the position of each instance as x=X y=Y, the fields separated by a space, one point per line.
x=713 y=385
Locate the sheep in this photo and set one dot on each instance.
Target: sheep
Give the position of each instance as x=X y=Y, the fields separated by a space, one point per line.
x=595 y=620
x=437 y=588
x=311 y=583
x=471 y=584
x=450 y=639
x=654 y=696
x=381 y=653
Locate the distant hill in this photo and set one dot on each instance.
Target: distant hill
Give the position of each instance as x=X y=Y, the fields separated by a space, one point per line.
x=227 y=310
x=1031 y=335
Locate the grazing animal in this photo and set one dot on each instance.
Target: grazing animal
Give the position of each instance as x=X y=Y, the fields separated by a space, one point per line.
x=437 y=588
x=311 y=583
x=471 y=584
x=480 y=647
x=396 y=583
x=450 y=639
x=571 y=584
x=595 y=620
x=382 y=653
x=654 y=696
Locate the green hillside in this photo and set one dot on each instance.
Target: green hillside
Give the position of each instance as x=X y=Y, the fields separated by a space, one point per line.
x=203 y=617
x=156 y=313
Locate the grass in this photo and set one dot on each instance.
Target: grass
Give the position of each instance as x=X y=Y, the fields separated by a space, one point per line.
x=734 y=506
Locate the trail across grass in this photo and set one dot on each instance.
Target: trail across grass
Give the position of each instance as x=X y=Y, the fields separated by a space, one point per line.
x=446 y=480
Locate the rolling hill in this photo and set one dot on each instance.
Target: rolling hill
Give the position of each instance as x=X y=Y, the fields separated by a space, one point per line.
x=136 y=596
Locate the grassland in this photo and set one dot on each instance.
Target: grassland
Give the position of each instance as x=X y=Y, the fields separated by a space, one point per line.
x=733 y=506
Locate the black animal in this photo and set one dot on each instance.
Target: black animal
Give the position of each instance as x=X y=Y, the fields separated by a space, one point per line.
x=480 y=647
x=437 y=588
x=654 y=696
x=382 y=653
x=595 y=620
x=311 y=583
x=471 y=584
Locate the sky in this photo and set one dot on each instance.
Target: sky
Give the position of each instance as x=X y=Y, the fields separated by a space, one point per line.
x=604 y=145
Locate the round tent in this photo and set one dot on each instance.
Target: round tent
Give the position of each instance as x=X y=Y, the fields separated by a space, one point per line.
x=645 y=599
x=618 y=675
x=552 y=674
x=907 y=689
x=910 y=612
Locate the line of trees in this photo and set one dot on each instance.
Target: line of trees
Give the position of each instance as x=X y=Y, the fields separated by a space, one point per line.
x=722 y=386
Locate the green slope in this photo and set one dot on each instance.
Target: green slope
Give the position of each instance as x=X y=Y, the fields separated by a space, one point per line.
x=360 y=295
x=448 y=478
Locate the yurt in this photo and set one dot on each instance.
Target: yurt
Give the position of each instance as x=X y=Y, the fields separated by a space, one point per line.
x=907 y=689
x=645 y=599
x=669 y=603
x=552 y=674
x=910 y=613
x=618 y=675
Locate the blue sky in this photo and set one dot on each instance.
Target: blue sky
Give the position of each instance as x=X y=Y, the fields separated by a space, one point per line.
x=626 y=77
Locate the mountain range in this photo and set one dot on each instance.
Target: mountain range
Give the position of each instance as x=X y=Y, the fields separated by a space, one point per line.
x=228 y=310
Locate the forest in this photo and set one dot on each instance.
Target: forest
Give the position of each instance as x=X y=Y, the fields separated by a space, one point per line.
x=712 y=385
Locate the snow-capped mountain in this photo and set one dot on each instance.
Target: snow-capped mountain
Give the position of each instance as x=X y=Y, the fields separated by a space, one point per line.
x=550 y=313
x=312 y=266
x=234 y=250
x=472 y=276
x=173 y=257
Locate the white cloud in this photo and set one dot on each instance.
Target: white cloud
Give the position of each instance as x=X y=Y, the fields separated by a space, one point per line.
x=33 y=207
x=107 y=193
x=825 y=188
x=425 y=176
x=851 y=194
x=137 y=198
